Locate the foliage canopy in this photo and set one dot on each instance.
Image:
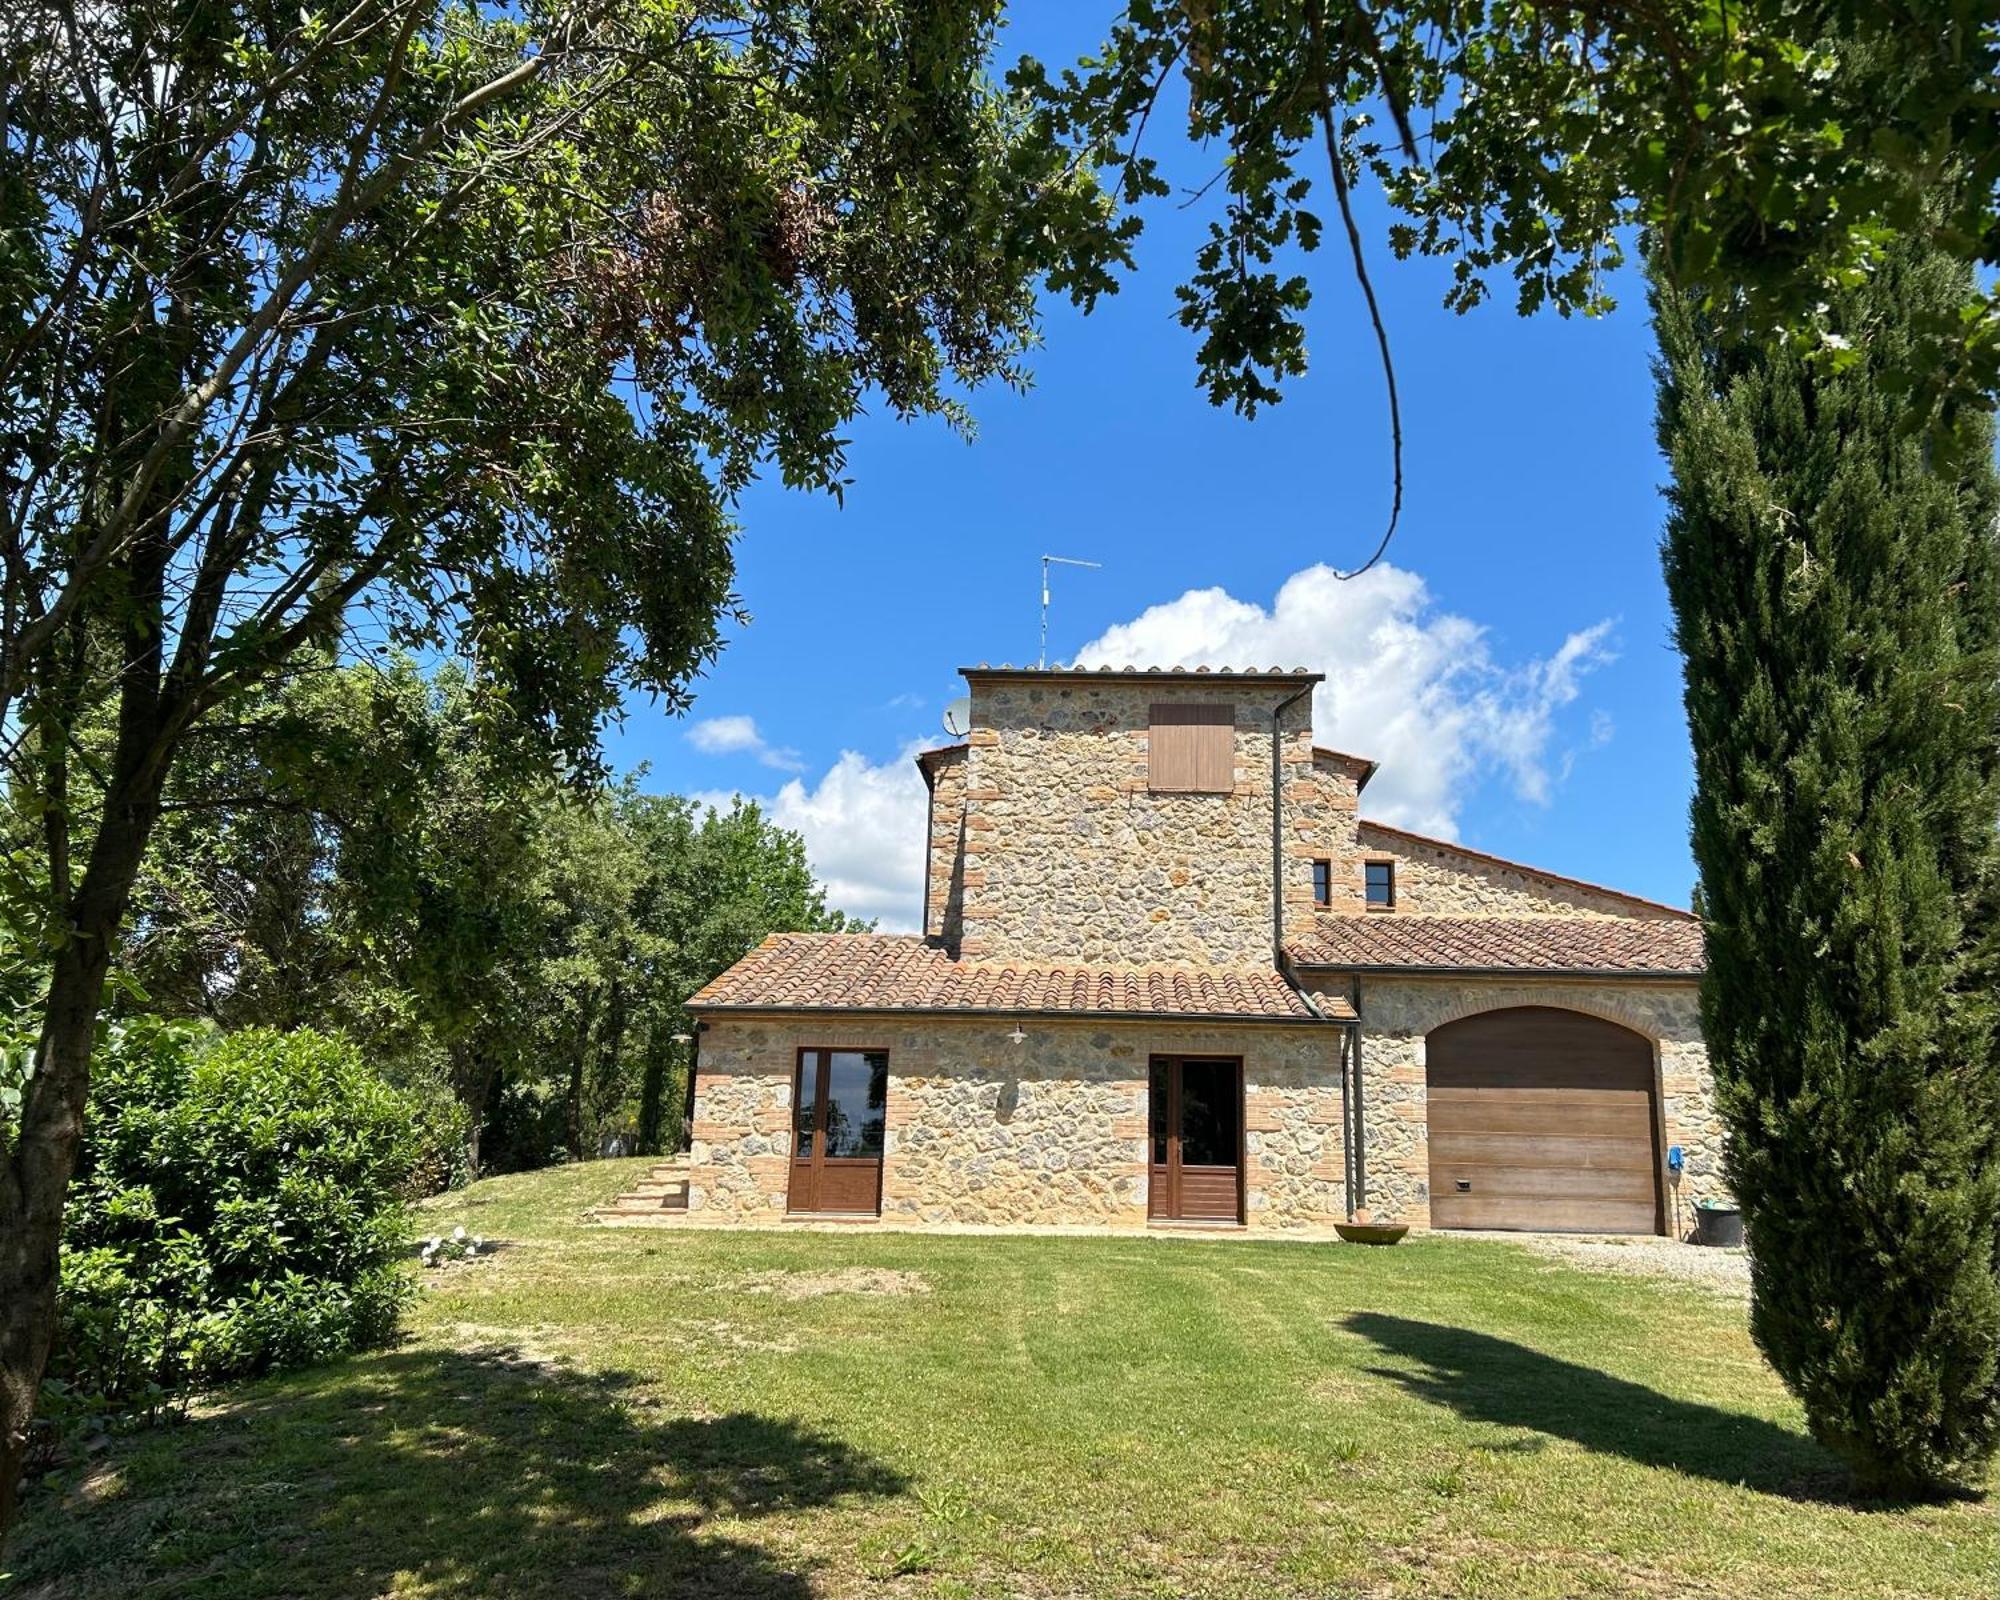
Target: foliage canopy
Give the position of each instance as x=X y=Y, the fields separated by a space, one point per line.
x=1775 y=149
x=1836 y=587
x=360 y=853
x=445 y=326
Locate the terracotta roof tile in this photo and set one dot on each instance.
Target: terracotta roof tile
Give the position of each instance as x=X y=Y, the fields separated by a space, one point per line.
x=1611 y=945
x=898 y=972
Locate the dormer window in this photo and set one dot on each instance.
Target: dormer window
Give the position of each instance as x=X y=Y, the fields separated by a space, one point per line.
x=1191 y=749
x=1322 y=883
x=1378 y=881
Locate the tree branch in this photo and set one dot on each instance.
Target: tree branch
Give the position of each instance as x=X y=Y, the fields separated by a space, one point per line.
x=356 y=198
x=1339 y=170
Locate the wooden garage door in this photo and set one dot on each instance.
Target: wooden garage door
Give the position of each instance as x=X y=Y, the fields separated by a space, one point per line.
x=1541 y=1118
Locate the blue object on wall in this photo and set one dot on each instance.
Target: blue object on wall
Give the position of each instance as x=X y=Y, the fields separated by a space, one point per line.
x=1675 y=1160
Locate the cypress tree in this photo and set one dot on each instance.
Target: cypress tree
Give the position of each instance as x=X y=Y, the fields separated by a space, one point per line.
x=1833 y=577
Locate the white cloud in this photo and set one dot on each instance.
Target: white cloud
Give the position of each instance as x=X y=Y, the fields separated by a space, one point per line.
x=1413 y=687
x=723 y=736
x=864 y=831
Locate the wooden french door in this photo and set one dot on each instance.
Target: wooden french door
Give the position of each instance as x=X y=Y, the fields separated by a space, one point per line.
x=839 y=1105
x=1196 y=1119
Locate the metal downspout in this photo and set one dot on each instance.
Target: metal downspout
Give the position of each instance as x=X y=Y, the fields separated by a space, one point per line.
x=1346 y=1122
x=1360 y=1168
x=1349 y=1033
x=1350 y=1044
x=1278 y=828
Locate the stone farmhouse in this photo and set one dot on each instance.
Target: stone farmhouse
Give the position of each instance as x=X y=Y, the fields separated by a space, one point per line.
x=1171 y=976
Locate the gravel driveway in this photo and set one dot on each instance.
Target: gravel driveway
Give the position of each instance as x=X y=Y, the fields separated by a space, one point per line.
x=1722 y=1272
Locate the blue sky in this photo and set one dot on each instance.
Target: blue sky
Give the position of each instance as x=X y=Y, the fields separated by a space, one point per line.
x=1513 y=670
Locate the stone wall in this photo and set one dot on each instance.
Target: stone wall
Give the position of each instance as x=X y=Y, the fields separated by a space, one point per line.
x=1069 y=855
x=1443 y=880
x=944 y=855
x=1046 y=843
x=1321 y=823
x=984 y=1132
x=1399 y=1012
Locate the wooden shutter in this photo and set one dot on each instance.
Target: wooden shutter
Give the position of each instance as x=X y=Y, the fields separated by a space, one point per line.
x=1191 y=749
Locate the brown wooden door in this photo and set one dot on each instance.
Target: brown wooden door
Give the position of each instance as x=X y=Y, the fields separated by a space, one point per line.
x=1542 y=1119
x=1196 y=1123
x=840 y=1102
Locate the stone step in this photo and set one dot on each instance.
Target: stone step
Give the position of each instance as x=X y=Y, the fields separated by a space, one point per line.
x=669 y=1189
x=607 y=1217
x=661 y=1195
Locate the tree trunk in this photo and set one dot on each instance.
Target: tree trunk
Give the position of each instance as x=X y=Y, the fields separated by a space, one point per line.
x=652 y=1093
x=472 y=1078
x=37 y=1168
x=573 y=1120
x=31 y=1200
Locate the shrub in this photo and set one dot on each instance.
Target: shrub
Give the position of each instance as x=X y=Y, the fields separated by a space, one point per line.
x=238 y=1209
x=442 y=1132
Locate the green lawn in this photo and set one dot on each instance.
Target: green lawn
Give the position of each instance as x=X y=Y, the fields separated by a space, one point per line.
x=595 y=1412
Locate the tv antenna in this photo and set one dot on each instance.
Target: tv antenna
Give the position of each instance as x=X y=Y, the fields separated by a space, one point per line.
x=1047 y=562
x=958 y=717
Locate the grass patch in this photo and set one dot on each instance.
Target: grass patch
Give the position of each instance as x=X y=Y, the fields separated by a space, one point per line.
x=600 y=1413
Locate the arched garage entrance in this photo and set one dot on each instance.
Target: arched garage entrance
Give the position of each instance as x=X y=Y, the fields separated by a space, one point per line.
x=1542 y=1118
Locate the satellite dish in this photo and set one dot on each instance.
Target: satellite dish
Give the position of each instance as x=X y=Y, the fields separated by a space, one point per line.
x=958 y=717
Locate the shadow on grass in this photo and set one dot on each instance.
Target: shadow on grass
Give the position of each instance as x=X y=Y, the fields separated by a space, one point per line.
x=1488 y=1379
x=460 y=1474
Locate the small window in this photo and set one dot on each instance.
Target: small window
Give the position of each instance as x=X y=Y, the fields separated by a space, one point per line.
x=1322 y=883
x=1379 y=879
x=1191 y=749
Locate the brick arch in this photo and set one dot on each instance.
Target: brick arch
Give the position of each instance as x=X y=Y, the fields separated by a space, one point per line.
x=1609 y=1007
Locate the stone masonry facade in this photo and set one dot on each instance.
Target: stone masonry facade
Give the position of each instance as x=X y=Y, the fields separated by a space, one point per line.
x=1045 y=841
x=1400 y=1012
x=1068 y=854
x=1052 y=1131
x=1048 y=1132
x=1437 y=878
x=1047 y=846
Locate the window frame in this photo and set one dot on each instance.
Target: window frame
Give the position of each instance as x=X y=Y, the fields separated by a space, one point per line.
x=817 y=1162
x=1322 y=881
x=1387 y=866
